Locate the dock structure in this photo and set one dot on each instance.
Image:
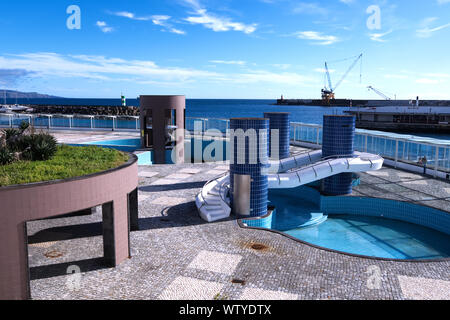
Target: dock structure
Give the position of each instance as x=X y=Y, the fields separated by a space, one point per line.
x=361 y=103
x=403 y=119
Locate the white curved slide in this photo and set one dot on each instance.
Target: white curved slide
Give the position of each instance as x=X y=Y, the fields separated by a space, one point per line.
x=362 y=162
x=213 y=202
x=297 y=161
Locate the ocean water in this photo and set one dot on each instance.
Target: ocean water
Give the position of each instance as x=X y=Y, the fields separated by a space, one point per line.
x=222 y=108
x=212 y=108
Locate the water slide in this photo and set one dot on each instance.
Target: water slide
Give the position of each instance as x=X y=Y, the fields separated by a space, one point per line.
x=213 y=202
x=321 y=169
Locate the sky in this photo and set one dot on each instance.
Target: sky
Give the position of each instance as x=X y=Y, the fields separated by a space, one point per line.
x=226 y=49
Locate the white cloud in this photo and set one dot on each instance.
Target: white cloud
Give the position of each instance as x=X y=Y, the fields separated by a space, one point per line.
x=395 y=76
x=131 y=15
x=219 y=24
x=426 y=31
x=379 y=36
x=322 y=70
x=283 y=66
x=318 y=37
x=259 y=76
x=158 y=20
x=97 y=67
x=438 y=75
x=104 y=27
x=53 y=65
x=347 y=1
x=235 y=62
x=310 y=8
x=427 y=81
x=443 y=1
x=193 y=3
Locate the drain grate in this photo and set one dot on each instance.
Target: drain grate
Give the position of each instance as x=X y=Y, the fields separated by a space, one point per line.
x=53 y=254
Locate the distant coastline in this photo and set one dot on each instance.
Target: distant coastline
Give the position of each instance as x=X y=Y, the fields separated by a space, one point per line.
x=12 y=94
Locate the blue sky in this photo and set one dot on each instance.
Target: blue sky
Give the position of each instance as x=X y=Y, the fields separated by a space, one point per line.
x=225 y=48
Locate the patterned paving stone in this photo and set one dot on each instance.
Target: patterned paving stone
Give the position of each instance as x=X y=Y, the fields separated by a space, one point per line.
x=221 y=168
x=190 y=171
x=44 y=245
x=379 y=173
x=216 y=172
x=183 y=288
x=424 y=289
x=261 y=294
x=417 y=196
x=216 y=262
x=416 y=182
x=170 y=201
x=179 y=176
x=147 y=174
x=393 y=187
x=164 y=182
x=142 y=197
x=168 y=242
x=408 y=175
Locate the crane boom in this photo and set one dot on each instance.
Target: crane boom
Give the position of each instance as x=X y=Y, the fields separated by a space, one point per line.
x=381 y=94
x=328 y=76
x=347 y=72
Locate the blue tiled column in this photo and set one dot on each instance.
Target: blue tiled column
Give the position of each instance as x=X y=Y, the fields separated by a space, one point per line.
x=280 y=121
x=241 y=161
x=338 y=140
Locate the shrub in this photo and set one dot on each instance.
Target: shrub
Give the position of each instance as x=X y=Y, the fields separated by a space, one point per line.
x=23 y=126
x=12 y=137
x=27 y=144
x=6 y=157
x=41 y=146
x=11 y=133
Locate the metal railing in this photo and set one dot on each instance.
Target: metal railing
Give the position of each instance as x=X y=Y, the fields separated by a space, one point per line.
x=71 y=122
x=396 y=147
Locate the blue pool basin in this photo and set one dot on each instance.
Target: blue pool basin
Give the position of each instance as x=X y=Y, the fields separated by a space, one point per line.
x=369 y=227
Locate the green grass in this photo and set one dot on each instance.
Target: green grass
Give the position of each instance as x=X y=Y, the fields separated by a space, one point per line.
x=68 y=162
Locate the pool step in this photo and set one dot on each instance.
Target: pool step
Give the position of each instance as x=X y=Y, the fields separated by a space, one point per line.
x=317 y=218
x=302 y=221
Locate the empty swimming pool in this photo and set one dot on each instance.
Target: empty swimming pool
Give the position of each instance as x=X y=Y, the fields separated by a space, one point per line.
x=361 y=226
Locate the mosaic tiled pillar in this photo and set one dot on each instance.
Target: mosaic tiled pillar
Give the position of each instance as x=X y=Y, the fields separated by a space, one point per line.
x=248 y=144
x=279 y=121
x=338 y=140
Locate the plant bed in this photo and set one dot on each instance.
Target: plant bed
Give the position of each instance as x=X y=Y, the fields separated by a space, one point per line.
x=40 y=179
x=68 y=162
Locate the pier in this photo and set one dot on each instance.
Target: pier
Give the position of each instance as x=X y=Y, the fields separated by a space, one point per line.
x=360 y=103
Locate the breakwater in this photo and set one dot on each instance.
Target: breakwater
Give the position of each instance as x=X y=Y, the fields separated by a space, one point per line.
x=86 y=110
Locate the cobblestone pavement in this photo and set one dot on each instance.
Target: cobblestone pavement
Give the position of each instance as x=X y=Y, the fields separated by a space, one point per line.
x=176 y=255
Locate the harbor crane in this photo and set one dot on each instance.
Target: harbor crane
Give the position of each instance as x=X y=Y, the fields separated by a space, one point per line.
x=381 y=94
x=328 y=91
